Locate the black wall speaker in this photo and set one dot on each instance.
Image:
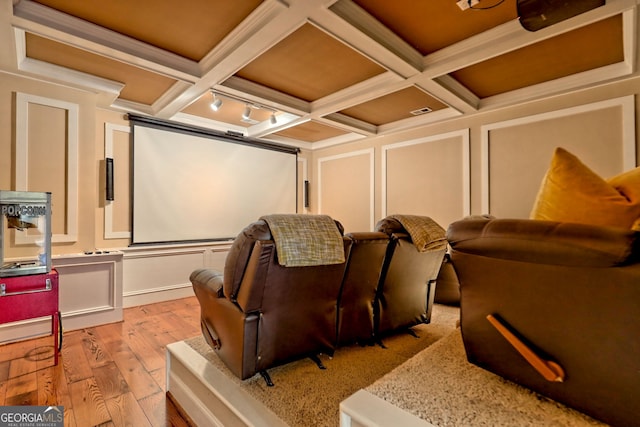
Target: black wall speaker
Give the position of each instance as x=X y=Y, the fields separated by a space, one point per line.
x=306 y=194
x=537 y=14
x=109 y=178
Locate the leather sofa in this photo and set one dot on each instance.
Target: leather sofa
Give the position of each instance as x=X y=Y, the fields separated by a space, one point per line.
x=259 y=314
x=569 y=294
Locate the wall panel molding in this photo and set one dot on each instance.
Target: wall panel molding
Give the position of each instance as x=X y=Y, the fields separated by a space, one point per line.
x=90 y=295
x=23 y=102
x=160 y=273
x=463 y=192
x=627 y=130
x=109 y=132
x=326 y=161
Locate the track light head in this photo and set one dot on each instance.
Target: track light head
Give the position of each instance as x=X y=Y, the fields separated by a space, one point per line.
x=216 y=102
x=247 y=112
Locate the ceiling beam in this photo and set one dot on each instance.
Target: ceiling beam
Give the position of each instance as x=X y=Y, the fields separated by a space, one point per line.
x=41 y=20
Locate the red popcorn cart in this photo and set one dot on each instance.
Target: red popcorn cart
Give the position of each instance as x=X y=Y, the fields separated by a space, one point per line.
x=28 y=284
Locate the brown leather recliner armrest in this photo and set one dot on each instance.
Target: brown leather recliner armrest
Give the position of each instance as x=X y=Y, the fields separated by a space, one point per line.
x=545 y=242
x=208 y=278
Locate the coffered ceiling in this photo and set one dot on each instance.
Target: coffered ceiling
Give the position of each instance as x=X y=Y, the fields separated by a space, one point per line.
x=312 y=72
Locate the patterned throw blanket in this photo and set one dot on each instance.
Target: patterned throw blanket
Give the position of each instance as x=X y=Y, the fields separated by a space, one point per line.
x=305 y=240
x=425 y=233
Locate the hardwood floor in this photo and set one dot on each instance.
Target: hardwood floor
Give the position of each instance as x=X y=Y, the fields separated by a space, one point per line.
x=109 y=375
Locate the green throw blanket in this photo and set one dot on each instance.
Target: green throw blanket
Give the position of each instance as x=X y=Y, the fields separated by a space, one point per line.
x=305 y=240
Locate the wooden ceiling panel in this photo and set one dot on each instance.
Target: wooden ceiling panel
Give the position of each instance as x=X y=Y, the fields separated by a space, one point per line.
x=583 y=49
x=311 y=132
x=431 y=25
x=140 y=85
x=190 y=29
x=394 y=106
x=309 y=64
x=316 y=60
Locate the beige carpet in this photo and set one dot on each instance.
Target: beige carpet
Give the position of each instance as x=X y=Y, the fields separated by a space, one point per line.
x=428 y=377
x=442 y=388
x=304 y=395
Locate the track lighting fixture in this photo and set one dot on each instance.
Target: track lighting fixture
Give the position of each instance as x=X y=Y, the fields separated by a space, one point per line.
x=216 y=103
x=247 y=112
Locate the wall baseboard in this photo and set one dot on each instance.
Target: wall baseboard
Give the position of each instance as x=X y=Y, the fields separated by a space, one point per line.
x=157 y=295
x=95 y=288
x=90 y=295
x=161 y=273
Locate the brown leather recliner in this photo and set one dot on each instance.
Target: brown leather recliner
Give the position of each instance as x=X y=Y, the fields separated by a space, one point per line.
x=360 y=286
x=260 y=314
x=569 y=293
x=406 y=292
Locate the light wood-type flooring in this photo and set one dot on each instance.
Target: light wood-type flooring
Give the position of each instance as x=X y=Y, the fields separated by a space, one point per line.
x=108 y=375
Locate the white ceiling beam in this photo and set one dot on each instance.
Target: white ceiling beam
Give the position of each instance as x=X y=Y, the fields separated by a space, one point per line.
x=449 y=91
x=361 y=92
x=283 y=121
x=508 y=37
x=274 y=20
x=343 y=121
x=353 y=26
x=253 y=40
x=44 y=21
x=337 y=140
x=242 y=34
x=422 y=120
x=108 y=91
x=239 y=87
x=591 y=78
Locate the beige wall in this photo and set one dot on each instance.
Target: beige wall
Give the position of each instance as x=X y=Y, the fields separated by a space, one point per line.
x=428 y=176
x=519 y=150
x=435 y=170
x=345 y=188
x=113 y=217
x=508 y=152
x=44 y=128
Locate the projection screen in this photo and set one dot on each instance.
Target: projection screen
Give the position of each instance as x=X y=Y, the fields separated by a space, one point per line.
x=189 y=186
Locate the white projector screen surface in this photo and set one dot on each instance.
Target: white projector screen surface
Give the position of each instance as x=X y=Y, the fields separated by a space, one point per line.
x=189 y=188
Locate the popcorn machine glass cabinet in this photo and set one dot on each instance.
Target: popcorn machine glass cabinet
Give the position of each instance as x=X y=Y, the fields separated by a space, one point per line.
x=25 y=232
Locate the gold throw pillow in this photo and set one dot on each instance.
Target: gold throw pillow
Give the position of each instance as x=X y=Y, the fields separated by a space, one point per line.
x=571 y=192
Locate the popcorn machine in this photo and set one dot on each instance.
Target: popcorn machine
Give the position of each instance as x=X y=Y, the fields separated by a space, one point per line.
x=28 y=284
